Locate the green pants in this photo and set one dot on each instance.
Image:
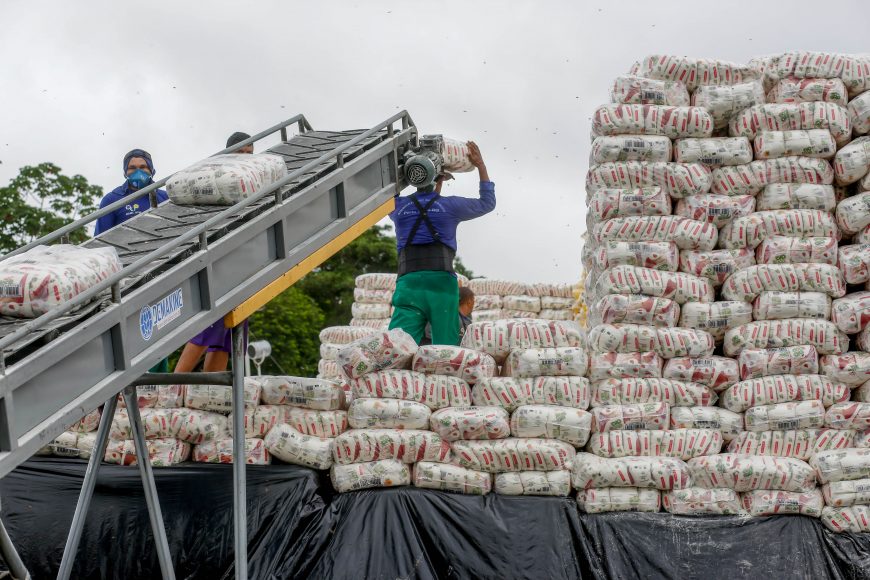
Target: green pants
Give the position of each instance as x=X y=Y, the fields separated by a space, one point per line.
x=432 y=297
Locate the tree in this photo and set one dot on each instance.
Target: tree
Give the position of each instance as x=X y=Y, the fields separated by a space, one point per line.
x=291 y=323
x=462 y=269
x=40 y=200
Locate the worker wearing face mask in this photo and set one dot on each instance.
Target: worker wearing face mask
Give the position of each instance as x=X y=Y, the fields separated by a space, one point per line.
x=139 y=170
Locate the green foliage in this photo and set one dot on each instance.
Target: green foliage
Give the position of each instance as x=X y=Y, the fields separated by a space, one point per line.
x=462 y=268
x=291 y=323
x=40 y=200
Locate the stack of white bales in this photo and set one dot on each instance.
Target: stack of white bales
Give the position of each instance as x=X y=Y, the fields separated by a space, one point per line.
x=500 y=299
x=332 y=339
x=78 y=440
x=372 y=305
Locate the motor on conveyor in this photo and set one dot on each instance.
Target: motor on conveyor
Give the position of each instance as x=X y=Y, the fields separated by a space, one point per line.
x=424 y=163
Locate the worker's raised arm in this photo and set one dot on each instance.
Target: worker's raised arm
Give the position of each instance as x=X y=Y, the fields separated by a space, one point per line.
x=465 y=208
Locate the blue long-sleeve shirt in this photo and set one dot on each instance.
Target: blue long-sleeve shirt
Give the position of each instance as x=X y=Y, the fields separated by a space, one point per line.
x=135 y=205
x=445 y=214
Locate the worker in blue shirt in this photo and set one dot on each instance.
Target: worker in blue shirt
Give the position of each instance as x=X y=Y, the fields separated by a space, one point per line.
x=139 y=170
x=427 y=290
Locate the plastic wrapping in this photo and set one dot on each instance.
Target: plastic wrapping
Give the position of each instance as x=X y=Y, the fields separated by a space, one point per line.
x=765 y=502
x=618 y=365
x=519 y=314
x=796 y=443
x=527 y=303
x=753 y=177
x=45 y=277
x=317 y=423
x=686 y=233
x=807 y=90
x=566 y=424
x=784 y=333
x=850 y=165
x=793 y=117
x=496 y=286
x=859 y=113
x=556 y=302
x=366 y=311
x=666 y=342
x=498 y=338
x=487 y=302
x=88 y=423
x=376 y=281
x=444 y=477
x=328 y=369
x=676 y=286
x=454 y=423
x=513 y=454
x=607 y=148
x=848 y=415
x=434 y=391
x=673 y=392
x=714 y=151
x=796 y=196
x=225 y=179
x=511 y=393
x=668 y=121
x=454 y=361
x=366 y=296
x=785 y=416
x=810 y=143
x=715 y=209
x=487 y=315
x=773 y=305
x=548 y=362
x=357 y=476
x=795 y=360
x=854 y=263
x=259 y=420
x=680 y=443
x=288 y=444
x=782 y=389
x=161 y=452
x=724 y=102
x=728 y=423
x=631 y=417
x=786 y=250
x=343 y=334
x=635 y=309
x=841 y=465
x=380 y=351
x=678 y=180
x=853 y=519
x=751 y=230
x=619 y=499
x=156 y=423
x=541 y=483
x=695 y=72
x=221 y=451
x=663 y=473
x=219 y=398
x=318 y=394
x=605 y=204
x=405 y=445
x=388 y=414
x=847 y=493
x=72 y=444
x=744 y=473
x=698 y=501
x=373 y=324
x=637 y=90
x=608 y=254
x=716 y=372
x=853 y=213
x=715 y=317
x=330 y=351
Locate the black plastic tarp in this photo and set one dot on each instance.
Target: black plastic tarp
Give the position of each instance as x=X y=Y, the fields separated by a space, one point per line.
x=298 y=528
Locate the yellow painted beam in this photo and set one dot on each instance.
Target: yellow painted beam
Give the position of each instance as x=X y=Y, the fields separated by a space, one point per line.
x=294 y=274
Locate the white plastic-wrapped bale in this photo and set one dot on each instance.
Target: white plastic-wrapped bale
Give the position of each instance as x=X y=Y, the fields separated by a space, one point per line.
x=618 y=365
x=715 y=209
x=752 y=177
x=608 y=148
x=853 y=415
x=776 y=305
x=161 y=452
x=859 y=113
x=841 y=465
x=551 y=362
x=635 y=309
x=199 y=427
x=454 y=423
x=631 y=417
x=221 y=451
x=662 y=256
x=796 y=196
x=357 y=476
x=499 y=338
x=487 y=302
x=782 y=389
x=665 y=342
x=388 y=414
x=821 y=334
x=751 y=230
x=854 y=261
x=666 y=120
x=715 y=318
x=663 y=473
x=633 y=391
x=851 y=368
x=513 y=454
x=853 y=213
x=851 y=163
x=218 y=398
x=793 y=117
x=619 y=499
x=680 y=443
x=384 y=350
x=553 y=422
x=225 y=179
x=445 y=477
x=713 y=151
x=724 y=101
x=786 y=250
x=631 y=89
x=744 y=473
x=367 y=311
x=853 y=519
x=374 y=324
x=678 y=180
x=366 y=296
x=694 y=72
x=327 y=424
x=455 y=361
x=795 y=360
x=698 y=501
x=811 y=143
x=675 y=286
x=259 y=420
x=797 y=443
x=343 y=334
x=765 y=502
x=511 y=393
x=728 y=423
x=288 y=444
x=524 y=303
x=687 y=233
x=807 y=90
x=376 y=281
x=434 y=391
x=317 y=394
x=716 y=372
x=785 y=416
x=405 y=445
x=541 y=483
x=606 y=204
x=847 y=493
x=156 y=423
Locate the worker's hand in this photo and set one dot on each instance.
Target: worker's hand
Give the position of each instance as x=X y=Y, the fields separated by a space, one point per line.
x=474 y=155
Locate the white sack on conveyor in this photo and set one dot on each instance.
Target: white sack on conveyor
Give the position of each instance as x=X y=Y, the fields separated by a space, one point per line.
x=793 y=117
x=715 y=209
x=859 y=113
x=716 y=372
x=318 y=423
x=748 y=283
x=666 y=342
x=221 y=451
x=366 y=296
x=384 y=350
x=656 y=255
x=543 y=483
x=198 y=427
x=607 y=148
x=785 y=416
x=854 y=519
x=45 y=277
x=440 y=476
x=455 y=155
x=455 y=361
x=663 y=473
x=715 y=317
x=318 y=394
x=751 y=178
x=854 y=263
x=547 y=362
x=687 y=234
x=434 y=391
x=786 y=250
x=676 y=286
x=225 y=179
x=563 y=423
x=798 y=443
x=498 y=338
x=619 y=499
x=376 y=281
x=851 y=368
x=783 y=305
x=680 y=443
x=631 y=417
x=796 y=196
x=728 y=423
x=783 y=388
x=695 y=72
x=847 y=493
x=620 y=365
x=219 y=398
x=673 y=392
x=635 y=309
x=699 y=501
x=405 y=445
x=527 y=303
x=606 y=204
x=744 y=473
x=487 y=302
x=288 y=444
x=367 y=311
x=343 y=334
x=675 y=179
x=161 y=452
x=762 y=362
x=713 y=151
x=454 y=423
x=810 y=143
x=725 y=101
x=848 y=415
x=513 y=454
x=807 y=90
x=636 y=90
x=387 y=414
x=766 y=502
x=157 y=423
x=853 y=213
x=384 y=473
x=511 y=393
x=668 y=121
x=842 y=465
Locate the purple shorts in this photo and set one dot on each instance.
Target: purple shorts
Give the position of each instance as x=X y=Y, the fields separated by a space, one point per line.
x=217 y=337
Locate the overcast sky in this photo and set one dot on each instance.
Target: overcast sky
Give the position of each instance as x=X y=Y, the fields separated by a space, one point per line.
x=84 y=82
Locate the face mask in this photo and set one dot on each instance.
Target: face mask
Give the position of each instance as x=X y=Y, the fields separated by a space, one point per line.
x=138 y=179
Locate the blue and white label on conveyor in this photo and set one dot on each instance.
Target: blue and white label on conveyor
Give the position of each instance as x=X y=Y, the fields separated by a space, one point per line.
x=156 y=316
